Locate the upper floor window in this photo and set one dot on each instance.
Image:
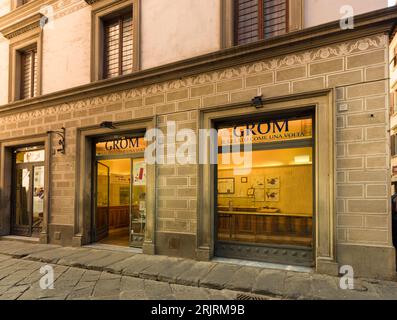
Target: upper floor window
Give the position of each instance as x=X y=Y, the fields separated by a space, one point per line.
x=260 y=19
x=28 y=66
x=115 y=38
x=25 y=52
x=118 y=45
x=18 y=3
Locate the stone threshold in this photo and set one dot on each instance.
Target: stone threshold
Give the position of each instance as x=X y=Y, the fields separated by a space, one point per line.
x=217 y=275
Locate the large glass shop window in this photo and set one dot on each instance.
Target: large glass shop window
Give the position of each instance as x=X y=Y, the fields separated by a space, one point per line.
x=272 y=203
x=120 y=215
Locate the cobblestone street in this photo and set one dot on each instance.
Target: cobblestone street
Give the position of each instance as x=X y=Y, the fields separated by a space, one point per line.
x=86 y=273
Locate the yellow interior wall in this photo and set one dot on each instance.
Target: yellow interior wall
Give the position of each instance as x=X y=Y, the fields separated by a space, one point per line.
x=296 y=193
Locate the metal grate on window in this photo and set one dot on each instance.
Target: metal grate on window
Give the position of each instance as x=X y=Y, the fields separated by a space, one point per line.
x=29 y=70
x=118 y=46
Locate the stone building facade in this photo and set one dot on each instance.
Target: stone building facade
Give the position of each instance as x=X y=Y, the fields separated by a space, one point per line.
x=341 y=75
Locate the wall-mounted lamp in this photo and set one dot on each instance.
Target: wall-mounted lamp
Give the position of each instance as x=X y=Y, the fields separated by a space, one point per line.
x=107 y=125
x=257 y=102
x=62 y=140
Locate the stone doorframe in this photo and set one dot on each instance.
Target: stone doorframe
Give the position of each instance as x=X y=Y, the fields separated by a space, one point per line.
x=84 y=175
x=324 y=186
x=6 y=174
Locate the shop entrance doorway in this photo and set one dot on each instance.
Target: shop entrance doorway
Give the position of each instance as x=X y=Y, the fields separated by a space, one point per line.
x=119 y=216
x=28 y=191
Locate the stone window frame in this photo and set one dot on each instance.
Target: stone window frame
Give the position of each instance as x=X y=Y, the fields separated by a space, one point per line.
x=22 y=35
x=101 y=9
x=19 y=3
x=295 y=20
x=85 y=137
x=324 y=249
x=6 y=183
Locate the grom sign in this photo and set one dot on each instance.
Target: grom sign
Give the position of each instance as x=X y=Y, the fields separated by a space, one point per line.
x=121 y=145
x=266 y=131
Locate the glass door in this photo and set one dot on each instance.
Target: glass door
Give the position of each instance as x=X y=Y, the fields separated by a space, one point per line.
x=23 y=205
x=28 y=191
x=101 y=217
x=138 y=203
x=38 y=199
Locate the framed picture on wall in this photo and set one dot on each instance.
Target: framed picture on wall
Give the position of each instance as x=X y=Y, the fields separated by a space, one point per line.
x=244 y=180
x=272 y=195
x=226 y=186
x=272 y=182
x=251 y=192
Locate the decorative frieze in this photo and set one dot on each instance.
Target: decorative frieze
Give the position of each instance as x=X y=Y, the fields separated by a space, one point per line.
x=205 y=79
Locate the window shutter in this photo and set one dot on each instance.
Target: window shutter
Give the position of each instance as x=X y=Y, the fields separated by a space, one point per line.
x=275 y=18
x=127 y=63
x=29 y=74
x=260 y=19
x=247 y=29
x=118 y=46
x=393 y=145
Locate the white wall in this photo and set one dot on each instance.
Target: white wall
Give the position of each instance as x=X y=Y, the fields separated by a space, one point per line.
x=321 y=11
x=66 y=51
x=178 y=29
x=5 y=7
x=3 y=70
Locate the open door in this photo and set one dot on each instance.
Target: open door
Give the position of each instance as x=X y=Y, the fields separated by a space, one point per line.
x=101 y=223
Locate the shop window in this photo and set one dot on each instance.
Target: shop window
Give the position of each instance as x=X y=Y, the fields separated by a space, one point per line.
x=115 y=39
x=267 y=202
x=260 y=19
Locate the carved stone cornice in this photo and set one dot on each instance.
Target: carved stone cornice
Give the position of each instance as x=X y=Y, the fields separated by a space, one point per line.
x=22 y=26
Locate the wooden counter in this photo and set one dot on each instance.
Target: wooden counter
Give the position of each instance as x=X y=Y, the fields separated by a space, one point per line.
x=258 y=213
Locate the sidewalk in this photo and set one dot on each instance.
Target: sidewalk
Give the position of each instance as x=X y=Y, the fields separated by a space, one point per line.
x=219 y=276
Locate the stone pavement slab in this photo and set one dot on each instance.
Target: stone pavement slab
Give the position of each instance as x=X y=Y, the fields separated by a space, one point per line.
x=243 y=279
x=155 y=290
x=118 y=267
x=9 y=247
x=193 y=275
x=18 y=249
x=386 y=290
x=111 y=258
x=80 y=257
x=53 y=255
x=107 y=286
x=172 y=272
x=219 y=276
x=298 y=286
x=87 y=273
x=139 y=263
x=154 y=271
x=4 y=257
x=189 y=293
x=324 y=288
x=270 y=282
